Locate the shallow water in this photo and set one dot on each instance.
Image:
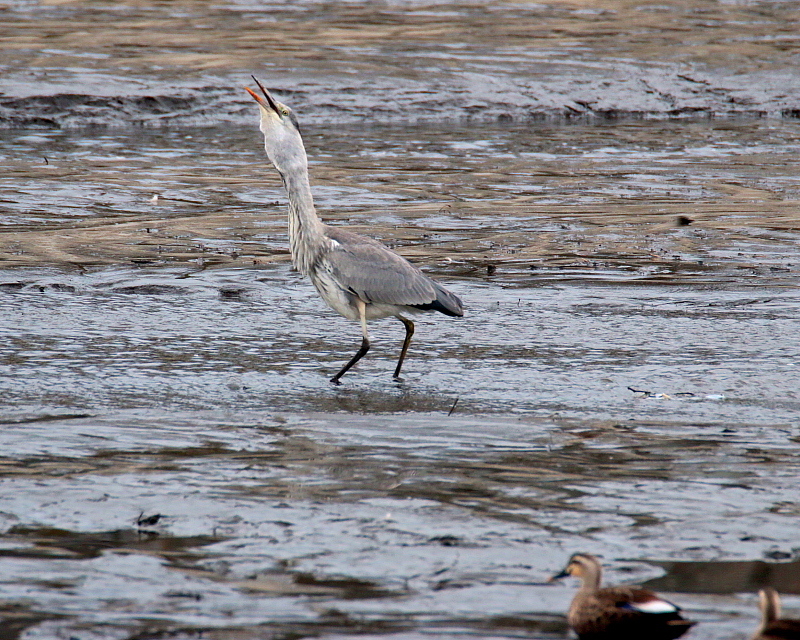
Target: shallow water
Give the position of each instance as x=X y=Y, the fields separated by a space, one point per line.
x=177 y=464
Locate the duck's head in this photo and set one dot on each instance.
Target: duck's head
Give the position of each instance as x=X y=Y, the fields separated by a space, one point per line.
x=581 y=565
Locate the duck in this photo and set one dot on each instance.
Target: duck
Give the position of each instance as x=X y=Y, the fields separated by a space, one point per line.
x=618 y=613
x=773 y=627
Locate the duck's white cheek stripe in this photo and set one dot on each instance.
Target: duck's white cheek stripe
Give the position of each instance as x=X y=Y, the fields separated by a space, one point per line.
x=653 y=606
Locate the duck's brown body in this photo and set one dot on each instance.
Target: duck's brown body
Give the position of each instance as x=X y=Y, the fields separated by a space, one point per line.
x=781 y=630
x=618 y=613
x=611 y=613
x=773 y=627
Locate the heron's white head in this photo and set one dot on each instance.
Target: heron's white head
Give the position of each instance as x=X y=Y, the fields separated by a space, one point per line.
x=282 y=139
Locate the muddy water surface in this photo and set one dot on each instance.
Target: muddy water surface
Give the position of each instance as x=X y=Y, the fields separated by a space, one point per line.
x=176 y=464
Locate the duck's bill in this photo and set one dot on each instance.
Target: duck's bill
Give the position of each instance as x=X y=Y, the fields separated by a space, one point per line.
x=558 y=576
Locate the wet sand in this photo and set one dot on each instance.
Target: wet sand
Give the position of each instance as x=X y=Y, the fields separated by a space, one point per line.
x=175 y=462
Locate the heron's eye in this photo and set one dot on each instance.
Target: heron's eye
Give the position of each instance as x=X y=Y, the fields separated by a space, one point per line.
x=285 y=112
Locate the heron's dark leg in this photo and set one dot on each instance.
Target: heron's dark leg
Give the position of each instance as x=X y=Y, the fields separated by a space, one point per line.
x=362 y=312
x=364 y=348
x=409 y=332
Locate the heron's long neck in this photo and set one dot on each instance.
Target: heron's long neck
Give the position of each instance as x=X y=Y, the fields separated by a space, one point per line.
x=305 y=228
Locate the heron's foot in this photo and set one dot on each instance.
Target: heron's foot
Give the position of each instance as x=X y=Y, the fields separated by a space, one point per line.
x=335 y=380
x=397 y=379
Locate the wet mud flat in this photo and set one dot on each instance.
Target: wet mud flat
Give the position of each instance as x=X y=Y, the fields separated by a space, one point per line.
x=71 y=64
x=176 y=464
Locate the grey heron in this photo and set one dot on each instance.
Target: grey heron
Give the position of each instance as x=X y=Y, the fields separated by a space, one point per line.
x=356 y=276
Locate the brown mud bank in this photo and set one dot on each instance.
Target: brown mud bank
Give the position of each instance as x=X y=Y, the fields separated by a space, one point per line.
x=179 y=64
x=682 y=203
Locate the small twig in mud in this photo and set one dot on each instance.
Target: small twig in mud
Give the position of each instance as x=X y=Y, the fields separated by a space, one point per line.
x=647 y=393
x=453 y=408
x=651 y=394
x=663 y=396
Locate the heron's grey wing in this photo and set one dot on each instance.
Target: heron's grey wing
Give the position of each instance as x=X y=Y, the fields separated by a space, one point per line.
x=376 y=274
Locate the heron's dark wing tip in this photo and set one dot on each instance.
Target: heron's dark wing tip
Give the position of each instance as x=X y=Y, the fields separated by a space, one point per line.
x=447 y=303
x=438 y=306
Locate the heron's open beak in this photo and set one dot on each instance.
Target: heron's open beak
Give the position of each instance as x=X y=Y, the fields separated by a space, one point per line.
x=269 y=103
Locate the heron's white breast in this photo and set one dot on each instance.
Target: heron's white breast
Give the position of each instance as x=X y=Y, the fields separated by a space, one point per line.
x=341 y=301
x=344 y=302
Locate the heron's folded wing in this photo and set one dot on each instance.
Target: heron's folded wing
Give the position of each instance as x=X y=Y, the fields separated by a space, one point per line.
x=376 y=274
